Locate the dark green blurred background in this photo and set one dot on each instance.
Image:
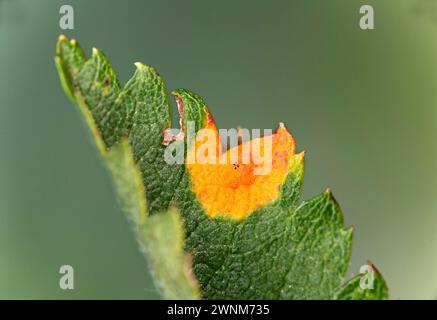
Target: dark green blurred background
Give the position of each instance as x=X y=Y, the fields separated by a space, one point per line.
x=363 y=104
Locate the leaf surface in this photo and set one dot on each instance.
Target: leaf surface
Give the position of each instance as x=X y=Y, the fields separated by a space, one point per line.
x=248 y=235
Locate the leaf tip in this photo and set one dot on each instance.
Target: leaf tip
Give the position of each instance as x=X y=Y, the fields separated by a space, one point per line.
x=139 y=65
x=300 y=157
x=179 y=93
x=330 y=196
x=62 y=37
x=373 y=268
x=282 y=127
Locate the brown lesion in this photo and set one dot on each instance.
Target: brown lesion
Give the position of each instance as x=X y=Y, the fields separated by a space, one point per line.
x=168 y=135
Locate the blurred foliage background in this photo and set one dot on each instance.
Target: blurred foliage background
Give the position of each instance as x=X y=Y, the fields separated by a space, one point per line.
x=363 y=104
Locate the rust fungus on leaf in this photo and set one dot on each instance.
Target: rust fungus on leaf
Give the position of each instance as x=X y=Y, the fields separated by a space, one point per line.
x=234 y=186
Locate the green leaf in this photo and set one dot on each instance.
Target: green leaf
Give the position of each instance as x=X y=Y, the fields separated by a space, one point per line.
x=162 y=238
x=280 y=250
x=353 y=290
x=274 y=254
x=128 y=182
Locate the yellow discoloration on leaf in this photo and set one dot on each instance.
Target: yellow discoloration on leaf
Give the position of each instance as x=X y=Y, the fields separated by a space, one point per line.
x=233 y=189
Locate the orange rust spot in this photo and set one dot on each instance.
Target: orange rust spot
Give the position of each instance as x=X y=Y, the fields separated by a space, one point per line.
x=232 y=188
